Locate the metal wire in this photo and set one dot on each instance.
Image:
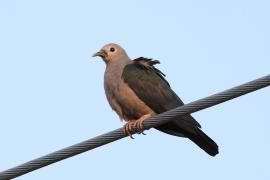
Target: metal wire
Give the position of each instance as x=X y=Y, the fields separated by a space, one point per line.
x=119 y=134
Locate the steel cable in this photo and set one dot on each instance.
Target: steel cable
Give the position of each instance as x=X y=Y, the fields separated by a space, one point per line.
x=119 y=134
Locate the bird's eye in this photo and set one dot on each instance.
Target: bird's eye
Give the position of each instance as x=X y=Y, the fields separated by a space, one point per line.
x=112 y=49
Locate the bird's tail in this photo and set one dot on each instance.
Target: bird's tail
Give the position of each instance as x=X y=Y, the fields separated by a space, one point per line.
x=192 y=131
x=203 y=141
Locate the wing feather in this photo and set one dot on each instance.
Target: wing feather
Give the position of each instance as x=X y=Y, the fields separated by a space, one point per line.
x=150 y=85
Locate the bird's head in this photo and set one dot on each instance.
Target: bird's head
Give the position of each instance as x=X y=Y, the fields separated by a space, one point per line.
x=111 y=52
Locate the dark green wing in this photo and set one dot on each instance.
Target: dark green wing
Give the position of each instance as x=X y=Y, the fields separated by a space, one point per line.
x=150 y=86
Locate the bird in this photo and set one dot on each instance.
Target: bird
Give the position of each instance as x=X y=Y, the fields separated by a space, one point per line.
x=136 y=90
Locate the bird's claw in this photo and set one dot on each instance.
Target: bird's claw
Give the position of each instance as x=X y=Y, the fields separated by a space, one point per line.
x=128 y=127
x=135 y=125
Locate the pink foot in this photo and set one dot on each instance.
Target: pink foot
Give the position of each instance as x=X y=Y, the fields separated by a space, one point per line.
x=136 y=125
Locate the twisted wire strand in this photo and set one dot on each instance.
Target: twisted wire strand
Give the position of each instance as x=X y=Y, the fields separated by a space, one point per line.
x=119 y=133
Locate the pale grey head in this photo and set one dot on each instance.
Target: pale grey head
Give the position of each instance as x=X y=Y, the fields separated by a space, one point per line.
x=111 y=53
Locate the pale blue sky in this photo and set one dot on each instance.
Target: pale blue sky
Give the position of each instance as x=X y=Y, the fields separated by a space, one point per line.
x=52 y=95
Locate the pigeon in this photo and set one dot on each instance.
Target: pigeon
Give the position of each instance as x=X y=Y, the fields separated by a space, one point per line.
x=136 y=90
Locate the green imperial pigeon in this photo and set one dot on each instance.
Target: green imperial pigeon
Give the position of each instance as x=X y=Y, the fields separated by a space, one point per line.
x=137 y=90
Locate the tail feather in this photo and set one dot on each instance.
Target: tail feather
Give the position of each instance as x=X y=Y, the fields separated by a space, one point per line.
x=204 y=142
x=193 y=132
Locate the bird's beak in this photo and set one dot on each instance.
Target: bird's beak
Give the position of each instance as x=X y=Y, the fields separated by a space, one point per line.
x=100 y=53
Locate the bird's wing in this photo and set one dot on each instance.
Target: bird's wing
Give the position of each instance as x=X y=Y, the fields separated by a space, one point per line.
x=150 y=86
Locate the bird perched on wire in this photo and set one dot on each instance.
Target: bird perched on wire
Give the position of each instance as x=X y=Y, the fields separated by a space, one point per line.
x=137 y=90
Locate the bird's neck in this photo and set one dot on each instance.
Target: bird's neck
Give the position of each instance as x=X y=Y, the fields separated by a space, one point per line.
x=114 y=69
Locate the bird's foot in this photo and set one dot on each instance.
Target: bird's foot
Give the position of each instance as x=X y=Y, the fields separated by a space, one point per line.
x=136 y=125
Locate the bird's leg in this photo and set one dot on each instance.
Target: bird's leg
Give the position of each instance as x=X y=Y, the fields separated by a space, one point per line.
x=135 y=125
